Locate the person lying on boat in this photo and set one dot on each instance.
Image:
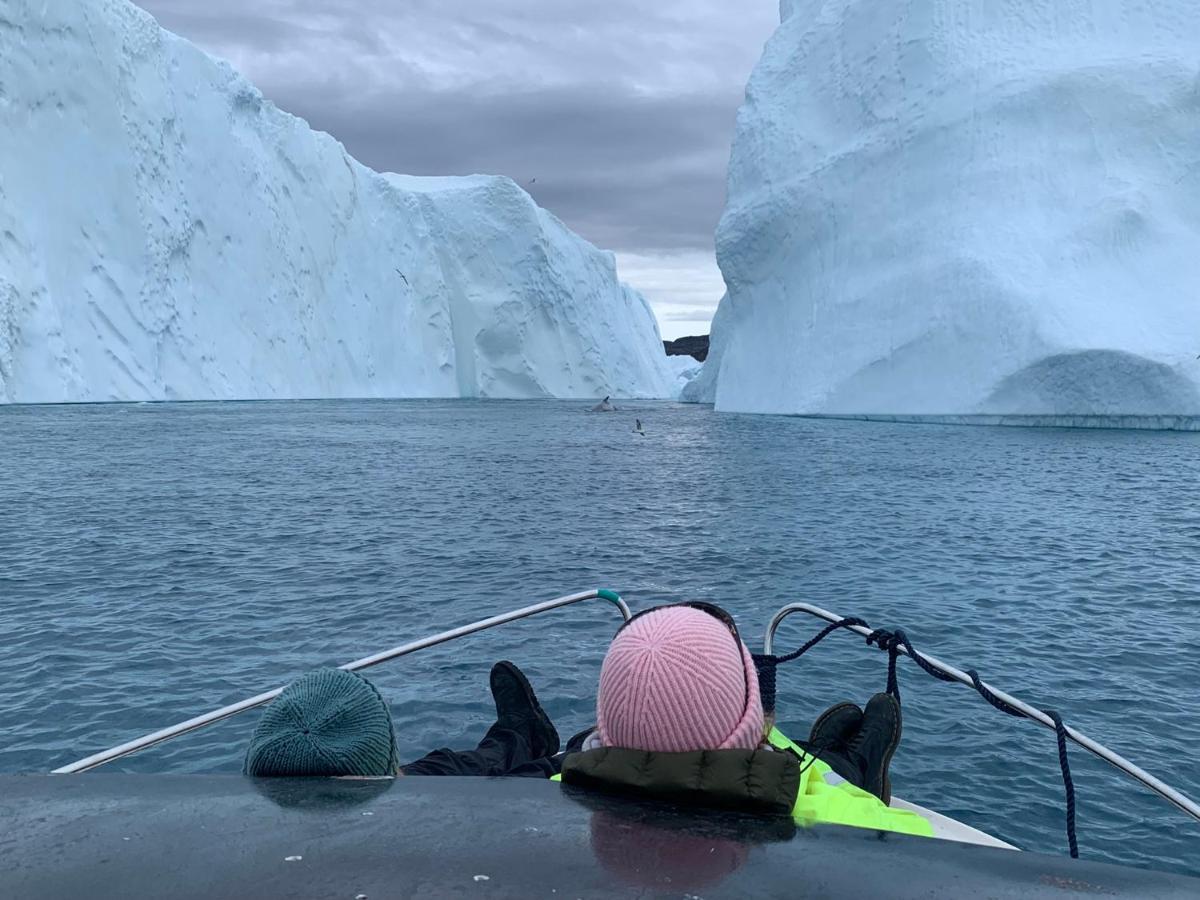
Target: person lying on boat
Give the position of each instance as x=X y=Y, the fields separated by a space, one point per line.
x=679 y=717
x=336 y=723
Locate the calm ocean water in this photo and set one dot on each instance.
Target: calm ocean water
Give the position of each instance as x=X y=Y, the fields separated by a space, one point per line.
x=157 y=561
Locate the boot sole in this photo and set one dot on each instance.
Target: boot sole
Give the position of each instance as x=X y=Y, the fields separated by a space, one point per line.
x=887 y=759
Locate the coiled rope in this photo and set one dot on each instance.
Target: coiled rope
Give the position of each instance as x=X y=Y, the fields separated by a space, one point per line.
x=891 y=641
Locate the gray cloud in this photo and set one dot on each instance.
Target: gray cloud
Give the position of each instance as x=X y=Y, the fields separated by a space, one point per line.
x=623 y=112
x=627 y=172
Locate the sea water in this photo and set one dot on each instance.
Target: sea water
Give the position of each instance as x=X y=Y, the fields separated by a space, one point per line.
x=157 y=561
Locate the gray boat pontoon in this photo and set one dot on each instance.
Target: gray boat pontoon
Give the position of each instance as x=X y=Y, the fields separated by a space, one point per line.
x=195 y=836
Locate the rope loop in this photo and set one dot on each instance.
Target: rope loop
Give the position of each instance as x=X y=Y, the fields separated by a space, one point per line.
x=767 y=663
x=881 y=638
x=891 y=641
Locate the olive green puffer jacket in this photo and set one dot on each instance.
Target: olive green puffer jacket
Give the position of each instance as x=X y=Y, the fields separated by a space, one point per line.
x=770 y=781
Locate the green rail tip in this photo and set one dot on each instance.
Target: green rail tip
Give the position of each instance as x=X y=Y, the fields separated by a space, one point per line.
x=610 y=596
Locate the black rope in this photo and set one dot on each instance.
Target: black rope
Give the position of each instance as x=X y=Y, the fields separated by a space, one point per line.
x=847 y=622
x=808 y=755
x=766 y=663
x=1060 y=731
x=992 y=698
x=890 y=641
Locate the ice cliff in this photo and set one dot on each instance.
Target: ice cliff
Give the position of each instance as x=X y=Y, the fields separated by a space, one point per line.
x=965 y=207
x=166 y=233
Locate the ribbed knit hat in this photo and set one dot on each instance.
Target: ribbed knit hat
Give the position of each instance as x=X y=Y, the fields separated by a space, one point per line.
x=328 y=722
x=675 y=680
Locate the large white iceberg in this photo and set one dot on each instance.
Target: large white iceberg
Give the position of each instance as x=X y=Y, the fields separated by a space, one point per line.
x=166 y=233
x=939 y=207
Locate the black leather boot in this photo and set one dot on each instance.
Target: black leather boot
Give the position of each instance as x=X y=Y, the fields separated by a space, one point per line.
x=836 y=726
x=871 y=750
x=517 y=708
x=829 y=737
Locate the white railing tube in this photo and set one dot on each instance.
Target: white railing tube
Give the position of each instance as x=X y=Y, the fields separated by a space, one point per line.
x=1183 y=802
x=166 y=734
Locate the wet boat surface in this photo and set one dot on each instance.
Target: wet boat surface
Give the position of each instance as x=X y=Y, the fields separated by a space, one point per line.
x=202 y=836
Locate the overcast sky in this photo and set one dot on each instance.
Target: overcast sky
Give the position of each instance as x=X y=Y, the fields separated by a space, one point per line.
x=622 y=110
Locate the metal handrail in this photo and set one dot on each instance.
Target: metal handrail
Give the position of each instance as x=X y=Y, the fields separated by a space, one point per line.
x=166 y=734
x=1183 y=802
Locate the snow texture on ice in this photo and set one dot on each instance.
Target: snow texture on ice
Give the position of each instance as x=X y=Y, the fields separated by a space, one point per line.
x=702 y=387
x=965 y=207
x=167 y=233
x=685 y=368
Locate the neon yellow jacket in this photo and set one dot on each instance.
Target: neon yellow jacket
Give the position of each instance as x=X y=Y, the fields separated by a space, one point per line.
x=826 y=797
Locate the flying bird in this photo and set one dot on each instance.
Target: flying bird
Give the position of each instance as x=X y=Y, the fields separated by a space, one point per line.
x=401 y=274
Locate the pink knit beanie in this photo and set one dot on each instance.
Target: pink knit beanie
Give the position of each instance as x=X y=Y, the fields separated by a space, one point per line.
x=676 y=679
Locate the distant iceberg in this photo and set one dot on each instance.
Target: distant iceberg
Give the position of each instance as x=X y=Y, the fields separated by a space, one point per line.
x=939 y=209
x=685 y=369
x=166 y=233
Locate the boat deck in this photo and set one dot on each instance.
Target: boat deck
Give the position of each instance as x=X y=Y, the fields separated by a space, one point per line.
x=200 y=836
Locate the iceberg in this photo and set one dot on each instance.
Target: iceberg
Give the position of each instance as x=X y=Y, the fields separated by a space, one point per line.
x=167 y=233
x=957 y=210
x=702 y=386
x=685 y=370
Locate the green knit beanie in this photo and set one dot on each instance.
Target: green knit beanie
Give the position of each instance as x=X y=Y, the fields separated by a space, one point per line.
x=328 y=722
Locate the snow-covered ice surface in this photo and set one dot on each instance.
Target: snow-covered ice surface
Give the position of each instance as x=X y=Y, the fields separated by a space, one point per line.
x=955 y=208
x=685 y=369
x=166 y=233
x=702 y=387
